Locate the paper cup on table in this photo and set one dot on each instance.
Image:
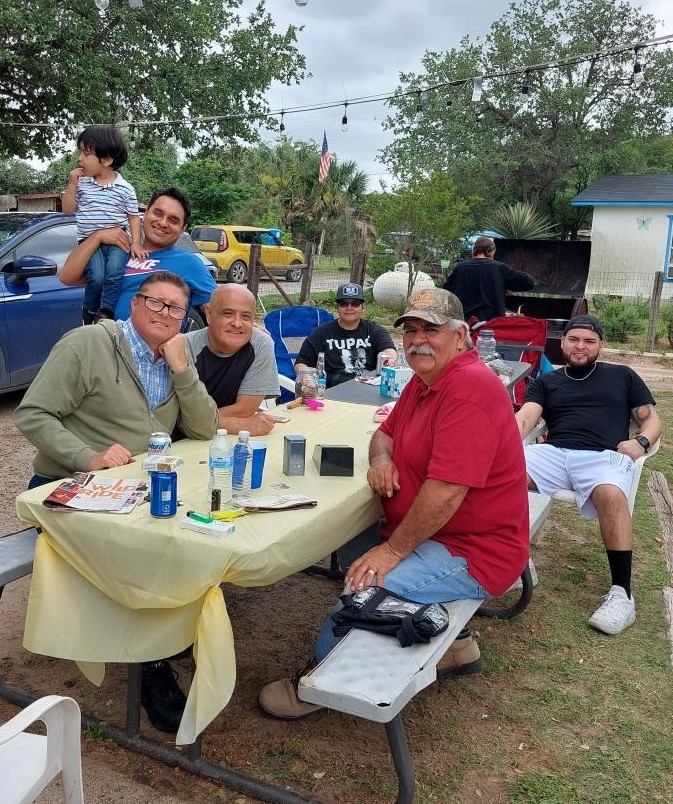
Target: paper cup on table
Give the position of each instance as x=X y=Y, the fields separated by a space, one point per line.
x=258 y=457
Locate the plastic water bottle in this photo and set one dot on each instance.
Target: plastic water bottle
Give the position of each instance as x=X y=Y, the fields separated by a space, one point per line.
x=220 y=465
x=320 y=377
x=242 y=465
x=486 y=345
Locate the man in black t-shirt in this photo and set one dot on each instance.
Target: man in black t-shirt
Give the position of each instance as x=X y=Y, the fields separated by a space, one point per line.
x=350 y=343
x=482 y=282
x=588 y=407
x=235 y=360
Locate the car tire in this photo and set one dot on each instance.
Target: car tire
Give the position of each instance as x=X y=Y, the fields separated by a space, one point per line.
x=294 y=273
x=238 y=272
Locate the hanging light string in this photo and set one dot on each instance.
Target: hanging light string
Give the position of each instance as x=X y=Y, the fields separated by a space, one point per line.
x=384 y=97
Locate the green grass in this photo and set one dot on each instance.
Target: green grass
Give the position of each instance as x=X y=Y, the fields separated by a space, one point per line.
x=94 y=734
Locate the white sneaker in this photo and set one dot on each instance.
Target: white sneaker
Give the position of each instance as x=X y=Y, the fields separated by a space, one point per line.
x=533 y=574
x=616 y=612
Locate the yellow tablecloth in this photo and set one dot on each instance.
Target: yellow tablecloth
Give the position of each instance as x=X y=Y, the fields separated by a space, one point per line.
x=132 y=588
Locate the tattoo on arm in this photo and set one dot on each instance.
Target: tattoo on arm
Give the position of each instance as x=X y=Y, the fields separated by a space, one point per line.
x=641 y=414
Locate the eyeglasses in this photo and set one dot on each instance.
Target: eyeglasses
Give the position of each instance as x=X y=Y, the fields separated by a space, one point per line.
x=158 y=306
x=355 y=303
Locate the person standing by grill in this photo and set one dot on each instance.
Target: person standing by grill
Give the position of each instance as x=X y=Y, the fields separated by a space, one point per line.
x=482 y=282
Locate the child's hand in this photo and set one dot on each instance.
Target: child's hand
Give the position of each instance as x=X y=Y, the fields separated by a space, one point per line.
x=76 y=175
x=138 y=252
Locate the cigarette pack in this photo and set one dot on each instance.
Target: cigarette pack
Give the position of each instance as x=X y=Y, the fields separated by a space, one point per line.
x=150 y=463
x=214 y=528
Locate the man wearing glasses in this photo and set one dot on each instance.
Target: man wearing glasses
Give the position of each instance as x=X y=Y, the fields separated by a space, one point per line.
x=351 y=344
x=103 y=390
x=97 y=398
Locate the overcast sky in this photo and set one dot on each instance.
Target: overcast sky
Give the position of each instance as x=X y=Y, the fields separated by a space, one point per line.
x=357 y=48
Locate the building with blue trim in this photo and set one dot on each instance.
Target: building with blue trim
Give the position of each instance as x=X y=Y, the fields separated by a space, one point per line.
x=631 y=233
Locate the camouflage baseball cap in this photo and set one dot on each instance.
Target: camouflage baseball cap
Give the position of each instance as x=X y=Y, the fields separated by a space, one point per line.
x=436 y=306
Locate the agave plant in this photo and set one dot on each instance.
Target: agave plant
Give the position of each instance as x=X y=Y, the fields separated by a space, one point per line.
x=522 y=221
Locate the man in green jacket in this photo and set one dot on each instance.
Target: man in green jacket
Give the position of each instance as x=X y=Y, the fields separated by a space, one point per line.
x=100 y=394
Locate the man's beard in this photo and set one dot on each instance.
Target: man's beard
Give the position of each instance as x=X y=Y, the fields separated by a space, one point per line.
x=582 y=368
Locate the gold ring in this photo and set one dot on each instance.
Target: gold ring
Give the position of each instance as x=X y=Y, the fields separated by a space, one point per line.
x=371 y=572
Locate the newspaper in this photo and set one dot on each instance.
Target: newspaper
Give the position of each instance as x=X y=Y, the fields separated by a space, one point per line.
x=90 y=492
x=275 y=502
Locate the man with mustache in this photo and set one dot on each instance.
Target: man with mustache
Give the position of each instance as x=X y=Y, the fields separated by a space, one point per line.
x=448 y=464
x=588 y=407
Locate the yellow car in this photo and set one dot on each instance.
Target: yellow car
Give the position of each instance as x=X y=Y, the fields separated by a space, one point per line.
x=229 y=247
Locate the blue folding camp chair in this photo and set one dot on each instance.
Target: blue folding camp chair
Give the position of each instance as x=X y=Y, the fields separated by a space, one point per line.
x=289 y=326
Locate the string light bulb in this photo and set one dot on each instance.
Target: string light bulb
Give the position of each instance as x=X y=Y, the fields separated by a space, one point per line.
x=524 y=91
x=638 y=76
x=344 y=119
x=102 y=5
x=281 y=127
x=421 y=105
x=419 y=109
x=301 y=3
x=477 y=88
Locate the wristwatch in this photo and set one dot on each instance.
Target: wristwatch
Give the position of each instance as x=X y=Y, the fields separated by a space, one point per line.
x=644 y=442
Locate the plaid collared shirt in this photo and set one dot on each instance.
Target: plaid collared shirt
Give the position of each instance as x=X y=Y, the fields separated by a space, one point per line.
x=155 y=375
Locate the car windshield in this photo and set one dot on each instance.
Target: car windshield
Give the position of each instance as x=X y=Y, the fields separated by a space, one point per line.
x=13 y=222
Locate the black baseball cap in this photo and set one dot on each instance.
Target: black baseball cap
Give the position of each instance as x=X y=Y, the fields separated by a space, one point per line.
x=584 y=322
x=350 y=291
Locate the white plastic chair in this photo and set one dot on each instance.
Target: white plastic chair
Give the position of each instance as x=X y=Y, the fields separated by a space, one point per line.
x=284 y=382
x=28 y=762
x=568 y=496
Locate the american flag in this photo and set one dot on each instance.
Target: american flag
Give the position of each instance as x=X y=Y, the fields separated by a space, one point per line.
x=325 y=160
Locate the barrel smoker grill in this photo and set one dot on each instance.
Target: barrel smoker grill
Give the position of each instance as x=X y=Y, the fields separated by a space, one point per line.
x=560 y=269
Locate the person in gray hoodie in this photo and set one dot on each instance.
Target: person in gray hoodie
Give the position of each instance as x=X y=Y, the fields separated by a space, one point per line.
x=100 y=394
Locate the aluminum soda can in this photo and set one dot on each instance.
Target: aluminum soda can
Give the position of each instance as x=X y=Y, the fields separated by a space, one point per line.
x=164 y=493
x=159 y=444
x=381 y=361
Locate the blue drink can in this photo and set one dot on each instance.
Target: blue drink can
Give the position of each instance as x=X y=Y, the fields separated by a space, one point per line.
x=164 y=493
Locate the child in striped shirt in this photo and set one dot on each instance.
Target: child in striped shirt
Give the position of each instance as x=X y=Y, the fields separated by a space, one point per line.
x=101 y=199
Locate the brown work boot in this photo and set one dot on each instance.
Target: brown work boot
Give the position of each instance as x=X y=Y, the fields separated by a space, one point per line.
x=461 y=658
x=279 y=698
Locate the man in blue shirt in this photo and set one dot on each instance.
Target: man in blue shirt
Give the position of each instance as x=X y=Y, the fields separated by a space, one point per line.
x=166 y=218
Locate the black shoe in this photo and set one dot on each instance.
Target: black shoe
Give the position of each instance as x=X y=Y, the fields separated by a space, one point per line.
x=88 y=317
x=161 y=696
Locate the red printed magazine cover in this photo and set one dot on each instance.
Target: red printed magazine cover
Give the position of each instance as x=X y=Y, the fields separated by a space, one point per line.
x=90 y=492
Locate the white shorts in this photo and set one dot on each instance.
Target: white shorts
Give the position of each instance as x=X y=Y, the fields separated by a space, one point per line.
x=578 y=470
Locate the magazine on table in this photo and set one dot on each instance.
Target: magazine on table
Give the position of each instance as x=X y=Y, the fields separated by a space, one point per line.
x=90 y=492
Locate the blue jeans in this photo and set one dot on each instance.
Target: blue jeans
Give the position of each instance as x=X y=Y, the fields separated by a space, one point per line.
x=430 y=574
x=39 y=480
x=104 y=274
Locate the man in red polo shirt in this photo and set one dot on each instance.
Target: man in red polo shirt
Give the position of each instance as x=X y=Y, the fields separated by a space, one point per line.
x=448 y=464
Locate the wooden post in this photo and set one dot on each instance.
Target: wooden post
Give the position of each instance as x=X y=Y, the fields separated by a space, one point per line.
x=253 y=269
x=275 y=282
x=307 y=274
x=655 y=302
